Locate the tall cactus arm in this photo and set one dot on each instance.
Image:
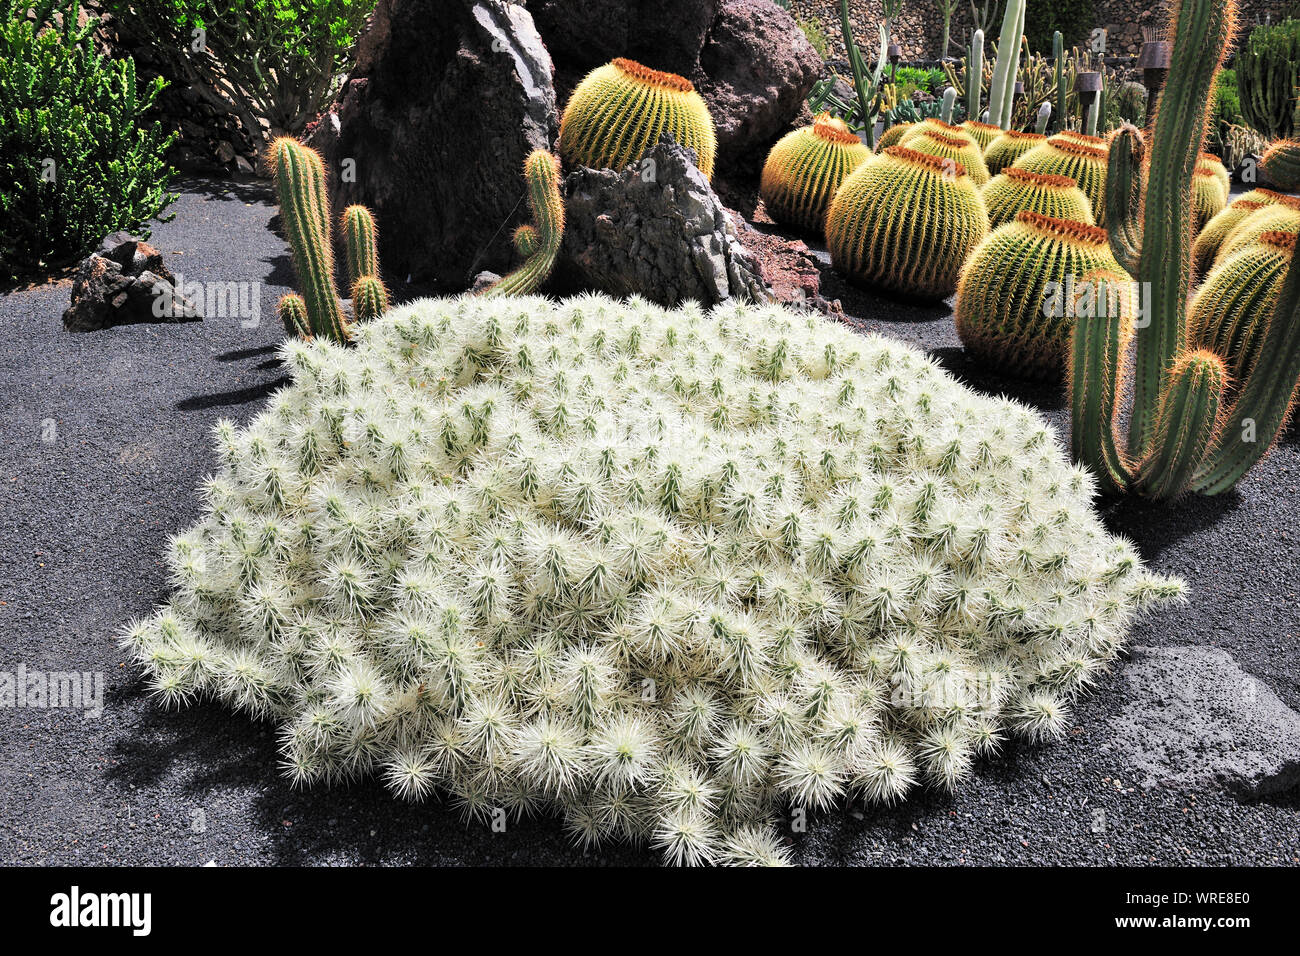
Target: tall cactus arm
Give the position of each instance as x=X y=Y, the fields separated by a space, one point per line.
x=1267 y=398
x=974 y=75
x=949 y=104
x=1097 y=359
x=1124 y=197
x=1185 y=424
x=1062 y=94
x=1201 y=31
x=292 y=312
x=540 y=242
x=1004 y=66
x=1013 y=65
x=359 y=242
x=1044 y=115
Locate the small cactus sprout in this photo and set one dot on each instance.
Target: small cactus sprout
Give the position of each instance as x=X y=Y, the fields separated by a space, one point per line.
x=894 y=136
x=619 y=110
x=539 y=244
x=1229 y=312
x=508 y=553
x=1279 y=217
x=1209 y=198
x=369 y=299
x=806 y=167
x=292 y=312
x=1281 y=164
x=1209 y=163
x=1003 y=152
x=1021 y=290
x=1082 y=158
x=963 y=150
x=906 y=222
x=360 y=242
x=1017 y=190
x=982 y=133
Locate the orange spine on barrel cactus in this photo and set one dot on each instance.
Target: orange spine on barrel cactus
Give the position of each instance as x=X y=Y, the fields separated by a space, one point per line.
x=906 y=221
x=1073 y=156
x=806 y=167
x=1279 y=217
x=963 y=150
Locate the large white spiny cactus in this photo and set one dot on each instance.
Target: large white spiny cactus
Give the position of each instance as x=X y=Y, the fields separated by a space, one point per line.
x=668 y=572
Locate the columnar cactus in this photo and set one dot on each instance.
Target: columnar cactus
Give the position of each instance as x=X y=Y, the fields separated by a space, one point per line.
x=360 y=242
x=1003 y=152
x=1281 y=164
x=1229 y=313
x=1017 y=190
x=292 y=313
x=1072 y=156
x=540 y=242
x=1183 y=433
x=369 y=298
x=963 y=150
x=1016 y=301
x=806 y=167
x=619 y=111
x=906 y=221
x=1007 y=65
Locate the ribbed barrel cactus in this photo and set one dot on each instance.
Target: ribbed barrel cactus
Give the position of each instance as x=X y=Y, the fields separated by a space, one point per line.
x=893 y=136
x=806 y=167
x=1017 y=190
x=1228 y=315
x=963 y=150
x=982 y=133
x=1278 y=217
x=1281 y=164
x=1209 y=163
x=1022 y=290
x=1003 y=152
x=1212 y=235
x=1209 y=198
x=668 y=575
x=933 y=124
x=906 y=222
x=619 y=111
x=1075 y=157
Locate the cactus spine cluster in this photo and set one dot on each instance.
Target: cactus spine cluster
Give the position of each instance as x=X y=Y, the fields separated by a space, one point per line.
x=804 y=170
x=1072 y=155
x=959 y=149
x=1182 y=435
x=1003 y=152
x=539 y=243
x=1281 y=164
x=906 y=222
x=619 y=111
x=1018 y=190
x=1016 y=301
x=300 y=185
x=1211 y=237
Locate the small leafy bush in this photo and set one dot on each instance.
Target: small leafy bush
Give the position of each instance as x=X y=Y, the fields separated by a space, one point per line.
x=272 y=60
x=666 y=572
x=77 y=160
x=911 y=78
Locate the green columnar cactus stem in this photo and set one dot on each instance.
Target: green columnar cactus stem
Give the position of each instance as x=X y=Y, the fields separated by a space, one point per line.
x=804 y=170
x=1097 y=371
x=1014 y=191
x=1017 y=298
x=1281 y=217
x=292 y=312
x=543 y=239
x=1002 y=89
x=1003 y=152
x=1210 y=239
x=360 y=244
x=1094 y=111
x=949 y=104
x=1062 y=94
x=299 y=183
x=962 y=150
x=619 y=110
x=1185 y=423
x=983 y=133
x=974 y=75
x=1076 y=156
x=1230 y=310
x=369 y=298
x=868 y=89
x=1124 y=195
x=1281 y=164
x=906 y=221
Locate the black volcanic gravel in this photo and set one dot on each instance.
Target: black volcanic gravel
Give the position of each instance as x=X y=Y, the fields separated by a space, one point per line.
x=85 y=519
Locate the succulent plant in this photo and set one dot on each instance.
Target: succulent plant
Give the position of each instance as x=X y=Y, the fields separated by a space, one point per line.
x=538 y=243
x=369 y=298
x=619 y=111
x=894 y=135
x=1209 y=198
x=1209 y=163
x=291 y=310
x=1014 y=191
x=1212 y=235
x=806 y=167
x=360 y=242
x=1003 y=152
x=666 y=574
x=1186 y=431
x=934 y=124
x=1073 y=156
x=1229 y=313
x=906 y=222
x=1005 y=67
x=982 y=133
x=1281 y=164
x=963 y=150
x=1016 y=302
x=1278 y=217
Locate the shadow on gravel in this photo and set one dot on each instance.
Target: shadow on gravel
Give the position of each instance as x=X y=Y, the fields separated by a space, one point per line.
x=1155 y=526
x=240 y=354
x=245 y=190
x=958 y=362
x=239 y=396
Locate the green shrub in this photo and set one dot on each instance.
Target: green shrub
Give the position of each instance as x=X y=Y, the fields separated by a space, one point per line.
x=666 y=572
x=815 y=33
x=273 y=60
x=910 y=78
x=1225 y=109
x=76 y=160
x=1268 y=74
x=1076 y=19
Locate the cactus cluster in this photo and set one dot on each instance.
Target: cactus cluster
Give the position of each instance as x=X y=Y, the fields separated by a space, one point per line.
x=300 y=185
x=539 y=242
x=1016 y=302
x=906 y=222
x=668 y=574
x=806 y=167
x=1275 y=217
x=619 y=111
x=1281 y=164
x=1018 y=190
x=1081 y=158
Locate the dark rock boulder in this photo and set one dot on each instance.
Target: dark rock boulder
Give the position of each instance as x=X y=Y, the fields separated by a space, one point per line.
x=656 y=229
x=124 y=282
x=431 y=132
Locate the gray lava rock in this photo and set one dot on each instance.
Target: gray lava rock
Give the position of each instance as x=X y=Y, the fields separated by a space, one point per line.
x=658 y=230
x=447 y=100
x=1192 y=716
x=124 y=282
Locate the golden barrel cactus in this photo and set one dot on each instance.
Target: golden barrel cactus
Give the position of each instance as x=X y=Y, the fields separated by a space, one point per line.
x=619 y=110
x=1209 y=163
x=1209 y=198
x=1212 y=236
x=906 y=222
x=806 y=167
x=1281 y=164
x=1014 y=191
x=1020 y=291
x=1071 y=155
x=1280 y=217
x=982 y=133
x=963 y=150
x=1009 y=147
x=893 y=136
